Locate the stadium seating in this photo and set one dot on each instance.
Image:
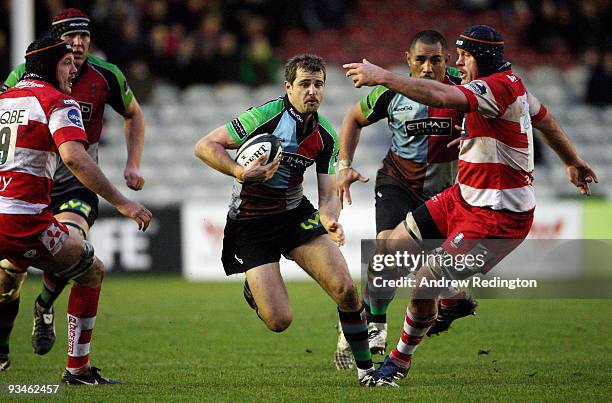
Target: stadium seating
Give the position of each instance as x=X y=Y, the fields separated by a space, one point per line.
x=175 y=121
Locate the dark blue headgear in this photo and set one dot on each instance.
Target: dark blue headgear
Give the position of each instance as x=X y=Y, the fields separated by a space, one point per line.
x=487 y=47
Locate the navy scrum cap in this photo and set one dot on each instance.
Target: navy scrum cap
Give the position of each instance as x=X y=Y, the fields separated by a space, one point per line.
x=70 y=21
x=42 y=57
x=487 y=47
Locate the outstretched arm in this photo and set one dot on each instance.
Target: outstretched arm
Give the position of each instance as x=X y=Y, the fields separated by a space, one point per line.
x=329 y=207
x=352 y=124
x=579 y=171
x=89 y=174
x=134 y=140
x=428 y=92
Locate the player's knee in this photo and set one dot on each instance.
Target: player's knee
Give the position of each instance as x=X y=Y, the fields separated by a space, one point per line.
x=10 y=284
x=94 y=276
x=87 y=271
x=279 y=323
x=345 y=294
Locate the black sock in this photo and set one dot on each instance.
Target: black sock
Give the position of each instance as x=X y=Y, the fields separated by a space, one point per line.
x=8 y=313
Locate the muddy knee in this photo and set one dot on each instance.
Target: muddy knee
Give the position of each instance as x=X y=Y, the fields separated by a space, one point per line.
x=345 y=294
x=10 y=282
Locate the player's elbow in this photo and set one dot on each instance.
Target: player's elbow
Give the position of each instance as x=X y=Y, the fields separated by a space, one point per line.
x=201 y=148
x=72 y=160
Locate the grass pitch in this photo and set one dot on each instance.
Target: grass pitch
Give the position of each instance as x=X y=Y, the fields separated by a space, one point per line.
x=170 y=340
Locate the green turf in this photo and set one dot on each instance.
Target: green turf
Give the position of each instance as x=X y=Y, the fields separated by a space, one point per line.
x=170 y=340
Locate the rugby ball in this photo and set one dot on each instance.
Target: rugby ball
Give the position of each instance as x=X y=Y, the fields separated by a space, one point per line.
x=255 y=147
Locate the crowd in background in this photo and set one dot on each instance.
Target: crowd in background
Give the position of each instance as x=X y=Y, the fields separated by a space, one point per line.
x=211 y=41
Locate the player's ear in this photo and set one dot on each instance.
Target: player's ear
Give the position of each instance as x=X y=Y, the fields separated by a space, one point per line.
x=408 y=57
x=287 y=86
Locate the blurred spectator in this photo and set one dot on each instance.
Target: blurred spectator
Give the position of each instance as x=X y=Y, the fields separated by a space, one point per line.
x=5 y=56
x=599 y=90
x=544 y=33
x=205 y=41
x=139 y=77
x=259 y=65
x=319 y=14
x=227 y=64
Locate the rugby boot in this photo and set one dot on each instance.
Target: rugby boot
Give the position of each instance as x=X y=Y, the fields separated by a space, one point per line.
x=5 y=362
x=377 y=337
x=92 y=377
x=390 y=370
x=343 y=358
x=43 y=329
x=446 y=315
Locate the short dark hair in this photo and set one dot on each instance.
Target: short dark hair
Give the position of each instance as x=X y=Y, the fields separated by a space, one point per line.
x=310 y=63
x=429 y=37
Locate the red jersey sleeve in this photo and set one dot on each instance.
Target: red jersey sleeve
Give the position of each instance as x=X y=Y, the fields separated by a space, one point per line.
x=66 y=124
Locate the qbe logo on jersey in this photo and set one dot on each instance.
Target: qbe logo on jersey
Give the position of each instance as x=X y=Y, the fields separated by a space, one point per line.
x=10 y=119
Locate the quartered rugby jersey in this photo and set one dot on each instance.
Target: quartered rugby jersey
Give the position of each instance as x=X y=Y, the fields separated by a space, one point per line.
x=303 y=145
x=98 y=83
x=496 y=156
x=35 y=119
x=418 y=159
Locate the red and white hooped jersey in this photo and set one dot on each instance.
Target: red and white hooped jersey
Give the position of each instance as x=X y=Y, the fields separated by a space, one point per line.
x=496 y=155
x=35 y=119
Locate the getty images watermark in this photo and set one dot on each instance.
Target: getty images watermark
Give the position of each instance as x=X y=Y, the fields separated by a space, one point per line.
x=397 y=270
x=533 y=268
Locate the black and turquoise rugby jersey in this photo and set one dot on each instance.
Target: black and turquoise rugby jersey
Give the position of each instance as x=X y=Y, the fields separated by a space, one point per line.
x=303 y=145
x=418 y=160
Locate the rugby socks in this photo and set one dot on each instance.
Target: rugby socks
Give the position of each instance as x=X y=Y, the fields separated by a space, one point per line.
x=82 y=310
x=355 y=328
x=451 y=297
x=415 y=328
x=8 y=313
x=376 y=310
x=52 y=288
x=376 y=307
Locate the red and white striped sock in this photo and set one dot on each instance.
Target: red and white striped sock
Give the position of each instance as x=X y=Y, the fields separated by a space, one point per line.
x=82 y=310
x=415 y=329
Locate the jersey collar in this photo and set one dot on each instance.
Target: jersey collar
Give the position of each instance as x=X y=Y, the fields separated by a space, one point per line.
x=297 y=116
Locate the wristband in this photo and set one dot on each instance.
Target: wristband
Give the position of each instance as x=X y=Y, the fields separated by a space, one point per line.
x=343 y=164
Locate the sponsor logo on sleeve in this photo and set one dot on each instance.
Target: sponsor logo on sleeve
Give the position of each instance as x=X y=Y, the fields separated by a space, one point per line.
x=239 y=128
x=69 y=102
x=75 y=117
x=478 y=87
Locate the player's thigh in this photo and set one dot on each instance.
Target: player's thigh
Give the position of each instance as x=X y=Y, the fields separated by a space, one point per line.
x=75 y=222
x=69 y=254
x=321 y=258
x=269 y=290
